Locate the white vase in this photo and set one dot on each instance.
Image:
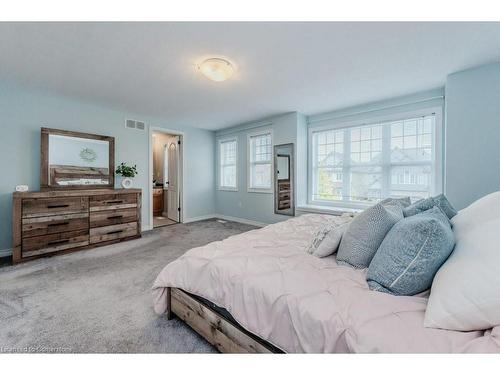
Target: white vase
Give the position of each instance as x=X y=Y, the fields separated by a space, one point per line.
x=126 y=182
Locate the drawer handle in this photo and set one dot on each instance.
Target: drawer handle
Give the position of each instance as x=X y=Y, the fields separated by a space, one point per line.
x=58 y=206
x=58 y=242
x=115 y=231
x=115 y=217
x=114 y=202
x=58 y=224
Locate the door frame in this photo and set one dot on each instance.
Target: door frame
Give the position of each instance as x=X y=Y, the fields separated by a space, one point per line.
x=182 y=138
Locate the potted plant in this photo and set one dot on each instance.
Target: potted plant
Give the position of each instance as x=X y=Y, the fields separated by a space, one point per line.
x=127 y=174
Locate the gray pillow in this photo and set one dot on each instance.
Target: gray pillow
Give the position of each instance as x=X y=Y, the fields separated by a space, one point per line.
x=405 y=201
x=366 y=232
x=411 y=254
x=426 y=204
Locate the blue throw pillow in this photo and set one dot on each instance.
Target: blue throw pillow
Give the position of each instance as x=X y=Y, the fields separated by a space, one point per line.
x=366 y=232
x=411 y=254
x=426 y=204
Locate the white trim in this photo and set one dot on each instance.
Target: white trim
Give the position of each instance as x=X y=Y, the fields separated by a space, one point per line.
x=5 y=253
x=436 y=187
x=219 y=142
x=249 y=136
x=182 y=138
x=241 y=220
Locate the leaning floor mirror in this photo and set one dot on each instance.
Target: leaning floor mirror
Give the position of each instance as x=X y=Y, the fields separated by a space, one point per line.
x=284 y=203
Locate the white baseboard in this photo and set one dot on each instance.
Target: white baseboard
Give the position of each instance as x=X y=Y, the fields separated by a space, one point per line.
x=224 y=217
x=5 y=253
x=199 y=218
x=145 y=228
x=240 y=220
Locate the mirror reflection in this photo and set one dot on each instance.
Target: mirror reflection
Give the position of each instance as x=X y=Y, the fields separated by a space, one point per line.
x=283 y=167
x=284 y=203
x=77 y=161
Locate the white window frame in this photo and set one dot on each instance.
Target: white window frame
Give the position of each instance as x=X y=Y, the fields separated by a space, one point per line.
x=249 y=162
x=437 y=186
x=219 y=143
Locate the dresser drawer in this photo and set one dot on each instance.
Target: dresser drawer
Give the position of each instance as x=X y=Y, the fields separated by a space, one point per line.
x=284 y=196
x=39 y=226
x=283 y=205
x=112 y=217
x=112 y=232
x=37 y=207
x=283 y=187
x=54 y=242
x=112 y=202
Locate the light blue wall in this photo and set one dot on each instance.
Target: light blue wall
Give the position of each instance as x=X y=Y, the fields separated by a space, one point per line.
x=301 y=160
x=472 y=134
x=23 y=112
x=256 y=206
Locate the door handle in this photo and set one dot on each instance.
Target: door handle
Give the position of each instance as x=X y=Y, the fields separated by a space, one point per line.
x=58 y=224
x=58 y=242
x=58 y=206
x=115 y=232
x=115 y=217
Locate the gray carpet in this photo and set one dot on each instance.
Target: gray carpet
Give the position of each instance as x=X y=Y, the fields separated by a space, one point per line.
x=99 y=300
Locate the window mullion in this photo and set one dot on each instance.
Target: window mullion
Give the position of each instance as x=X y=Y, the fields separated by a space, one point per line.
x=346 y=166
x=386 y=160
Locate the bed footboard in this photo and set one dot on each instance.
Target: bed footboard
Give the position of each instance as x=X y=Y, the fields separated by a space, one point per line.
x=213 y=327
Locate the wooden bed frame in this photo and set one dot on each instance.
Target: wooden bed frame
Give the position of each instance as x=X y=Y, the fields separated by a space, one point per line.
x=227 y=336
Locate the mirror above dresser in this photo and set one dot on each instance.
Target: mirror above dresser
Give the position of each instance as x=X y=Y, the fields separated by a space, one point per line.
x=73 y=160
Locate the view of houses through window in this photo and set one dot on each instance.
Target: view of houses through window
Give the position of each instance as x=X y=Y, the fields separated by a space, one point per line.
x=260 y=167
x=227 y=164
x=371 y=162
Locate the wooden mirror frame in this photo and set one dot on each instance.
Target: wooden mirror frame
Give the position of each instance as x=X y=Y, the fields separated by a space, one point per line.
x=45 y=183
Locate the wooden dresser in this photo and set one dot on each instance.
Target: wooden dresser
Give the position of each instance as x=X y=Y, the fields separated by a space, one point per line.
x=50 y=222
x=158 y=201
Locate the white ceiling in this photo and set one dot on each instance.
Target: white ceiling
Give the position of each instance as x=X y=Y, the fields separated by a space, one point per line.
x=307 y=67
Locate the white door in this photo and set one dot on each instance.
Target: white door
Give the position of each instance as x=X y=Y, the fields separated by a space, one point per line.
x=173 y=181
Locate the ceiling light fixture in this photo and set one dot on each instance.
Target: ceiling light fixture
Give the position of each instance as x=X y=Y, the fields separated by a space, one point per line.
x=216 y=69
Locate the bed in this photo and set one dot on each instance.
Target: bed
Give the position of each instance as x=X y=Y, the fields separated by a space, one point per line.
x=261 y=292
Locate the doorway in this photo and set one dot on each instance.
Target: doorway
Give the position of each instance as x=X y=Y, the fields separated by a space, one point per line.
x=166 y=177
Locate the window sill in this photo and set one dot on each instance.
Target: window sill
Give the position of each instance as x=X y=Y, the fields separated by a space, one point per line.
x=329 y=210
x=261 y=191
x=226 y=189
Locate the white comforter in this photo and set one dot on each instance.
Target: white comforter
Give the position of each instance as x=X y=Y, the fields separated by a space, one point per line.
x=301 y=303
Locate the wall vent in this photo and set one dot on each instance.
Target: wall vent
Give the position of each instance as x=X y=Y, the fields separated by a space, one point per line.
x=135 y=124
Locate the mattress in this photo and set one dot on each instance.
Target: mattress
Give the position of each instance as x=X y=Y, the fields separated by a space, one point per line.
x=299 y=303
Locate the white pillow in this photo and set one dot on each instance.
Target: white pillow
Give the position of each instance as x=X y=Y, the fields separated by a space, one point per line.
x=326 y=239
x=465 y=293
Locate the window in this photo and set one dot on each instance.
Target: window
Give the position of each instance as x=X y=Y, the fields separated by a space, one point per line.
x=260 y=162
x=228 y=157
x=360 y=165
